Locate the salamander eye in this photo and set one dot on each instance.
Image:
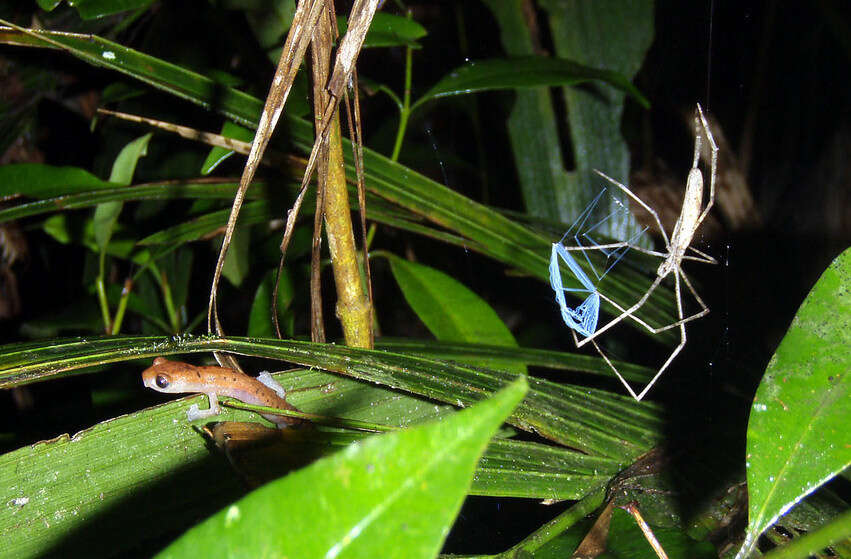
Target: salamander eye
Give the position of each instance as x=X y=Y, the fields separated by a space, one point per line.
x=162 y=381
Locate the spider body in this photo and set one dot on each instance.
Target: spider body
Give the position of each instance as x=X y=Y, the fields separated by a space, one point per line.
x=691 y=216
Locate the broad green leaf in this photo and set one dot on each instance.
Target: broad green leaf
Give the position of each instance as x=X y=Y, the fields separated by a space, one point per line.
x=218 y=154
x=106 y=215
x=36 y=180
x=144 y=301
x=260 y=315
x=520 y=72
x=450 y=311
x=388 y=30
x=798 y=427
x=394 y=495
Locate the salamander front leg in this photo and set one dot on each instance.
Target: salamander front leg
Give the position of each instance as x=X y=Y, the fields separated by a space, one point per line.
x=195 y=413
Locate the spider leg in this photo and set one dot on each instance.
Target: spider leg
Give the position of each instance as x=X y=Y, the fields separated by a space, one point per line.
x=677 y=349
x=628 y=313
x=624 y=311
x=704 y=309
x=615 y=369
x=703 y=257
x=620 y=244
x=650 y=252
x=713 y=165
x=640 y=202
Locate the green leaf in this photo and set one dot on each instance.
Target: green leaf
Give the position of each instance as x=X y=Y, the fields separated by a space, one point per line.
x=41 y=181
x=260 y=317
x=155 y=191
x=178 y=272
x=48 y=5
x=57 y=227
x=450 y=311
x=532 y=124
x=388 y=30
x=798 y=427
x=125 y=164
x=218 y=154
x=93 y=9
x=121 y=91
x=611 y=35
x=269 y=20
x=106 y=214
x=238 y=260
x=394 y=495
x=521 y=72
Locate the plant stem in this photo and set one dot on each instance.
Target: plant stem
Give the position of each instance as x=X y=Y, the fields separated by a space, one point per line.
x=122 y=306
x=101 y=291
x=557 y=525
x=168 y=300
x=353 y=308
x=405 y=110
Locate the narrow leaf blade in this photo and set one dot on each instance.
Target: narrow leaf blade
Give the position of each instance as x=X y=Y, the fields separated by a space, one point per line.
x=36 y=180
x=106 y=214
x=522 y=72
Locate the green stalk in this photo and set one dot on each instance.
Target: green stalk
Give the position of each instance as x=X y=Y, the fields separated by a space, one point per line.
x=556 y=526
x=122 y=306
x=405 y=110
x=100 y=286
